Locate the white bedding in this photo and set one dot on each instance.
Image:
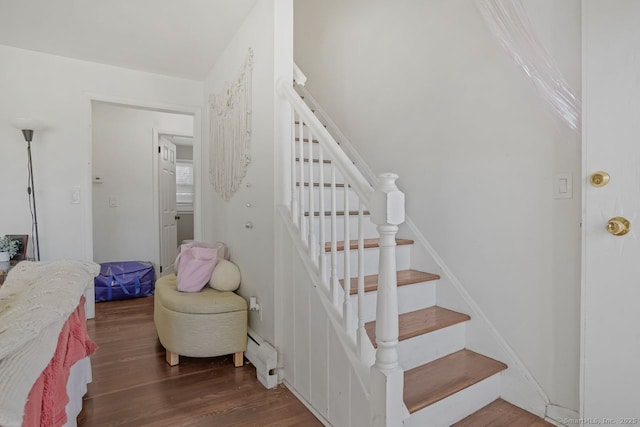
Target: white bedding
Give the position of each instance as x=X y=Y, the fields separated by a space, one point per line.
x=35 y=302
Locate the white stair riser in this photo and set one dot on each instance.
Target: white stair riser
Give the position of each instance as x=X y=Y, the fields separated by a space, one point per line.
x=353 y=199
x=457 y=406
x=326 y=168
x=410 y=298
x=371 y=258
x=426 y=348
x=370 y=230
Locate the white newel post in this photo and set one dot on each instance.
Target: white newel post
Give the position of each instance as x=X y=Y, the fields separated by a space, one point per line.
x=387 y=378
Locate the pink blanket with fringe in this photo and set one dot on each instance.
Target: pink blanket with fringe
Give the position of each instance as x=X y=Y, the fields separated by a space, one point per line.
x=48 y=397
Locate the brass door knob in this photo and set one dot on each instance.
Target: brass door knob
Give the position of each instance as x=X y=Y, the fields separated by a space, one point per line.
x=618 y=226
x=599 y=179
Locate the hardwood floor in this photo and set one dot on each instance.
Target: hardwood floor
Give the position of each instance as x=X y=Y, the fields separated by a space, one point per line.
x=502 y=414
x=134 y=386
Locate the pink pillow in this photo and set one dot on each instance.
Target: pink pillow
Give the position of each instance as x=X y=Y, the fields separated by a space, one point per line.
x=194 y=266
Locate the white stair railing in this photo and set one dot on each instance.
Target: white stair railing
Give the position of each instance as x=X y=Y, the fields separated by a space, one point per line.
x=386 y=206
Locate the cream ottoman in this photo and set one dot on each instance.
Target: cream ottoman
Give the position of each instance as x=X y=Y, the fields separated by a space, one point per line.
x=199 y=324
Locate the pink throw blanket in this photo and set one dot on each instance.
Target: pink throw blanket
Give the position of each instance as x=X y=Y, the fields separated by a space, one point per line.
x=48 y=397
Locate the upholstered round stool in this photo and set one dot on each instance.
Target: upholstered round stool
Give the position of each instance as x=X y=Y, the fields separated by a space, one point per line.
x=199 y=324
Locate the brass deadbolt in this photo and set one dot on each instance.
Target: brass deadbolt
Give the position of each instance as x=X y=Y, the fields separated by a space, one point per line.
x=618 y=226
x=599 y=179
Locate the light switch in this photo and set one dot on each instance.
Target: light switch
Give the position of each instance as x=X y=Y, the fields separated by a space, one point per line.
x=113 y=202
x=562 y=186
x=75 y=195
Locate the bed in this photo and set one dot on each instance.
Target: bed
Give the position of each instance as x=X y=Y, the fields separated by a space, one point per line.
x=44 y=346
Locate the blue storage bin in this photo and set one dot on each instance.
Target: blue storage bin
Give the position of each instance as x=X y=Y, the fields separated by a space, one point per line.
x=124 y=280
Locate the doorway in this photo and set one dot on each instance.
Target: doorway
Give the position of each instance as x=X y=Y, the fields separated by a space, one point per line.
x=184 y=186
x=175 y=177
x=125 y=198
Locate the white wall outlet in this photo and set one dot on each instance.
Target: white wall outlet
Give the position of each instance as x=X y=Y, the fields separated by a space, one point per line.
x=254 y=306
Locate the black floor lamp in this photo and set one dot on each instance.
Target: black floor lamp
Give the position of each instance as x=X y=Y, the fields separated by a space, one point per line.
x=28 y=126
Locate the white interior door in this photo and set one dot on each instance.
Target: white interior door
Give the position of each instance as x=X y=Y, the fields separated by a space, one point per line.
x=167 y=202
x=610 y=386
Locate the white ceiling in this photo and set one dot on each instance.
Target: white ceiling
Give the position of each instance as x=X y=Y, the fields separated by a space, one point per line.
x=181 y=38
x=181 y=140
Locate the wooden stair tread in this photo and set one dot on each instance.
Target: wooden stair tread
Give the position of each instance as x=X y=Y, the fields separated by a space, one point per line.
x=443 y=377
x=306 y=160
x=327 y=214
x=368 y=243
x=315 y=141
x=317 y=184
x=501 y=413
x=403 y=277
x=421 y=322
x=304 y=124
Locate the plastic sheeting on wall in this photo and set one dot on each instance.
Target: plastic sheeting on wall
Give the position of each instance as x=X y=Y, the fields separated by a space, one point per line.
x=509 y=23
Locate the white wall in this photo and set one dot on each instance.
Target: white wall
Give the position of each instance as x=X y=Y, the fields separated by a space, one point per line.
x=57 y=91
x=123 y=157
x=423 y=89
x=184 y=152
x=252 y=249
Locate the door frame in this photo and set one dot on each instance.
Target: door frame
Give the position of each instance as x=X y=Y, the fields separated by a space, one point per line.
x=198 y=170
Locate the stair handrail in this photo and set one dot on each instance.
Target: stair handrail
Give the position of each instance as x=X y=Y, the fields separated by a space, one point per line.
x=343 y=163
x=298 y=75
x=387 y=209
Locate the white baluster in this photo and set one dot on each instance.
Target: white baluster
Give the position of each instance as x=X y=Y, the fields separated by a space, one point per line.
x=321 y=240
x=387 y=378
x=301 y=182
x=294 y=201
x=362 y=333
x=347 y=309
x=335 y=283
x=311 y=240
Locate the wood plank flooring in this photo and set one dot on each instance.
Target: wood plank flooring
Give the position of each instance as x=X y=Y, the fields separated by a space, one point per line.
x=133 y=385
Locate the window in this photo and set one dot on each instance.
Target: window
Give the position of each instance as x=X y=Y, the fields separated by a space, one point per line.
x=184 y=185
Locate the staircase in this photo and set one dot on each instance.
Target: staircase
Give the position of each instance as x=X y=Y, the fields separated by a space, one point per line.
x=444 y=382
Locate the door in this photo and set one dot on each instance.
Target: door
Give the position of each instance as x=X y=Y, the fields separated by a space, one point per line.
x=167 y=202
x=610 y=377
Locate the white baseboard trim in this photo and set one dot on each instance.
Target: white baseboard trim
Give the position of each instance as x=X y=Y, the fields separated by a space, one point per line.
x=560 y=415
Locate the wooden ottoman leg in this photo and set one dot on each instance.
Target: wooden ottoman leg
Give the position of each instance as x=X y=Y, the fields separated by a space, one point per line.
x=238 y=359
x=172 y=358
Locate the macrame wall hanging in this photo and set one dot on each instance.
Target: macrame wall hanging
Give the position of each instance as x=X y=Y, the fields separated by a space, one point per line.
x=509 y=23
x=230 y=132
